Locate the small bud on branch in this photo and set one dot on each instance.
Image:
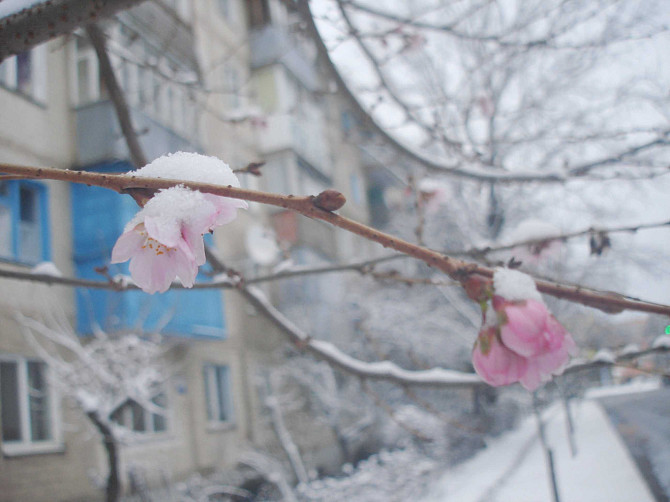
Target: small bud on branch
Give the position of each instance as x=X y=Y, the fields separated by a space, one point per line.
x=330 y=200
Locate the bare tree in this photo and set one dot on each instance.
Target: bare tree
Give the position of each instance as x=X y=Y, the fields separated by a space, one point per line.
x=540 y=88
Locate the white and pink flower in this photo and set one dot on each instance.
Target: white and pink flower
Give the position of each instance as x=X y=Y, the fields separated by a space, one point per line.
x=165 y=238
x=521 y=341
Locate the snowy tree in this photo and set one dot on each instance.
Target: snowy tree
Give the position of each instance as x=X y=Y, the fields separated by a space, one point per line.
x=106 y=378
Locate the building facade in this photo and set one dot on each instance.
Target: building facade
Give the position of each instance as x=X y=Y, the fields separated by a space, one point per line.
x=227 y=78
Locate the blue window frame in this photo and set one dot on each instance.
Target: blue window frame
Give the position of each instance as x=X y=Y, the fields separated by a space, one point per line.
x=24 y=223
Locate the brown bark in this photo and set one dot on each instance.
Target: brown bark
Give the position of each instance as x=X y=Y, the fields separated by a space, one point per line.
x=49 y=19
x=113 y=487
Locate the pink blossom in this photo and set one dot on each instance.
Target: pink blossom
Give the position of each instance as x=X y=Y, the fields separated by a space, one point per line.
x=494 y=362
x=524 y=343
x=165 y=238
x=523 y=329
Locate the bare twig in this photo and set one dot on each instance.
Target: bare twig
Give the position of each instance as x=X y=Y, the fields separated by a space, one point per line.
x=430 y=163
x=97 y=37
x=479 y=251
x=617 y=360
x=386 y=370
x=253 y=168
x=113 y=283
x=282 y=432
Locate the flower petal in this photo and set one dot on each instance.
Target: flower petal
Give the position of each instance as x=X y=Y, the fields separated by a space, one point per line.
x=226 y=208
x=494 y=362
x=150 y=272
x=186 y=270
x=163 y=272
x=523 y=332
x=193 y=246
x=128 y=244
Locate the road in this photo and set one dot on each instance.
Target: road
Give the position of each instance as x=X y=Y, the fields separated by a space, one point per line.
x=643 y=421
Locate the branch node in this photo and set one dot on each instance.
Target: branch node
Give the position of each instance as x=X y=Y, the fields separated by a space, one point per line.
x=329 y=200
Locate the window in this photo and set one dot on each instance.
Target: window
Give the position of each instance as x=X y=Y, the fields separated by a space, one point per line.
x=134 y=417
x=217 y=393
x=27 y=406
x=24 y=232
x=26 y=73
x=231 y=84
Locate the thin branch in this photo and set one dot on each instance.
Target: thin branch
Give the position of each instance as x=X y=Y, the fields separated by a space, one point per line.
x=436 y=377
x=253 y=168
x=586 y=168
x=617 y=360
x=478 y=251
x=449 y=28
x=113 y=283
x=482 y=169
x=283 y=435
x=429 y=163
x=97 y=37
x=313 y=207
x=383 y=81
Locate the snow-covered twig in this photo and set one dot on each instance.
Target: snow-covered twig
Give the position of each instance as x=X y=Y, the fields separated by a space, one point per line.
x=283 y=434
x=385 y=370
x=612 y=359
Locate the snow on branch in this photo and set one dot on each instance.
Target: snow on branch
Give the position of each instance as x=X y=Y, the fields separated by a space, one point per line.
x=610 y=358
x=102 y=374
x=384 y=370
x=322 y=207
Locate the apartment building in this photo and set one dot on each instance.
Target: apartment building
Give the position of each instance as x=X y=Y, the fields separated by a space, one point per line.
x=228 y=78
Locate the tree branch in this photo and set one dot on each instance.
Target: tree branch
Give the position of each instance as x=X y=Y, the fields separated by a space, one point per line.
x=46 y=20
x=429 y=163
x=458 y=270
x=97 y=37
x=436 y=377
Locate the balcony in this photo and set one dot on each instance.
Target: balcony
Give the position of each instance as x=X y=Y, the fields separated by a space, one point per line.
x=272 y=45
x=99 y=136
x=168 y=25
x=285 y=131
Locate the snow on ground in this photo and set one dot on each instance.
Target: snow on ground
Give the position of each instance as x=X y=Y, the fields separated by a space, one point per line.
x=642 y=385
x=513 y=467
